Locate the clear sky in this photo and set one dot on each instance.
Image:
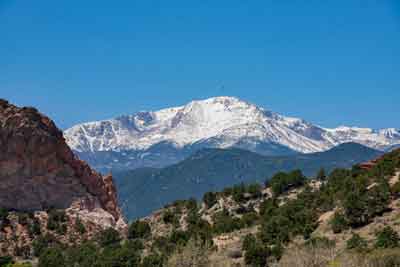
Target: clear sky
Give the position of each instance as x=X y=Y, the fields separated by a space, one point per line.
x=330 y=62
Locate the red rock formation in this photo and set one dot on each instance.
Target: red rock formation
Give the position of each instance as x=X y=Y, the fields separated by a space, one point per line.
x=370 y=164
x=39 y=171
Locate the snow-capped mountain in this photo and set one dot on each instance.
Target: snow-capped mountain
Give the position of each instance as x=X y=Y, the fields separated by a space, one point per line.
x=219 y=122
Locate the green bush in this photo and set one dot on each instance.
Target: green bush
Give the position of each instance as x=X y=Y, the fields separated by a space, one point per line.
x=109 y=237
x=153 y=260
x=378 y=198
x=193 y=218
x=135 y=244
x=355 y=209
x=276 y=251
x=118 y=257
x=255 y=190
x=210 y=199
x=225 y=223
x=191 y=204
x=57 y=215
x=139 y=229
x=61 y=229
x=256 y=256
x=169 y=217
x=179 y=238
x=177 y=204
x=199 y=229
x=303 y=219
x=84 y=255
x=126 y=257
x=23 y=218
x=41 y=243
x=387 y=238
x=256 y=253
x=249 y=219
x=362 y=203
x=356 y=242
x=321 y=175
x=338 y=223
x=291 y=219
x=238 y=192
x=268 y=207
x=386 y=167
x=248 y=242
x=276 y=230
x=282 y=182
x=56 y=220
x=34 y=227
x=4 y=260
x=52 y=257
x=4 y=218
x=163 y=245
x=79 y=227
x=3 y=213
x=337 y=180
x=227 y=191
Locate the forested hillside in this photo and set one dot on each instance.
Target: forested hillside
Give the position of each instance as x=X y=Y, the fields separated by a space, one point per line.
x=142 y=191
x=349 y=217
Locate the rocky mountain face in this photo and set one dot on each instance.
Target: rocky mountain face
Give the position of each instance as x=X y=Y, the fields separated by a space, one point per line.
x=38 y=171
x=160 y=138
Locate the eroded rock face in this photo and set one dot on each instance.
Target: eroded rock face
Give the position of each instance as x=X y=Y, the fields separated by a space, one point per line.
x=39 y=171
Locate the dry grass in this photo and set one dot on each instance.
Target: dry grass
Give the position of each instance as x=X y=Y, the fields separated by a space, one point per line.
x=299 y=256
x=331 y=257
x=192 y=255
x=308 y=256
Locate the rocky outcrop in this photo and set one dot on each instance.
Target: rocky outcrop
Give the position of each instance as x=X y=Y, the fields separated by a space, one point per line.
x=368 y=165
x=38 y=170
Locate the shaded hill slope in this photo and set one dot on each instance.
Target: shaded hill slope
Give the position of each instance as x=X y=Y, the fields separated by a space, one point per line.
x=144 y=190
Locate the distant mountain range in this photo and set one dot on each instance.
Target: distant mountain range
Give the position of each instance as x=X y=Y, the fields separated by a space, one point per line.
x=144 y=190
x=165 y=137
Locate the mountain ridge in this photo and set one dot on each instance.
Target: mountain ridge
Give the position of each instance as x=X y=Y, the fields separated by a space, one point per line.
x=219 y=122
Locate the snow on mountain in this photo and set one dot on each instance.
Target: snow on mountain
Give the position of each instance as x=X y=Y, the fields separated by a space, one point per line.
x=225 y=120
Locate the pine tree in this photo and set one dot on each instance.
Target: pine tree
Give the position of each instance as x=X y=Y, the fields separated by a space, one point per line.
x=321 y=176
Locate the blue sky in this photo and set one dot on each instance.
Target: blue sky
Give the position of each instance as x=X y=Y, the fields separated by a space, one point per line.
x=330 y=62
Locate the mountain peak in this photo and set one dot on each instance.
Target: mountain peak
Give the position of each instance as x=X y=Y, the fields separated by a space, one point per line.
x=221 y=99
x=218 y=122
